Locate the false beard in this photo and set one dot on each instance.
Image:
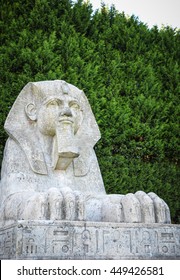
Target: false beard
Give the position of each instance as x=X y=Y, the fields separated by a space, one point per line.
x=64 y=148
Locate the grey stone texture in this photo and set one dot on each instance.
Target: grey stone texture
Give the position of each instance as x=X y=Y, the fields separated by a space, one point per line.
x=51 y=186
x=89 y=240
x=50 y=170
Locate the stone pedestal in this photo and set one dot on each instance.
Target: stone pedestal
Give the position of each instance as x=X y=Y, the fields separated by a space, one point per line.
x=89 y=240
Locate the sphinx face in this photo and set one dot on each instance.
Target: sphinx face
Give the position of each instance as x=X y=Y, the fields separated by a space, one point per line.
x=58 y=111
x=60 y=117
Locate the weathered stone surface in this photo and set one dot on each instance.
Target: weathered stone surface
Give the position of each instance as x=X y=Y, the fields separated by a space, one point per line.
x=53 y=203
x=50 y=170
x=89 y=240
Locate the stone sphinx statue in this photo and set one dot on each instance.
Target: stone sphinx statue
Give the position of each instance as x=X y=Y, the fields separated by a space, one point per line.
x=50 y=170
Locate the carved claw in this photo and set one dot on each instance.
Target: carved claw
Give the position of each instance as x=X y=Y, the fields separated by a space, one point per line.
x=55 y=204
x=147 y=207
x=36 y=207
x=65 y=204
x=69 y=204
x=162 y=212
x=131 y=209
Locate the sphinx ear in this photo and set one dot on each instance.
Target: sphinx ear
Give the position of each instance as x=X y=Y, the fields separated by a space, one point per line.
x=30 y=110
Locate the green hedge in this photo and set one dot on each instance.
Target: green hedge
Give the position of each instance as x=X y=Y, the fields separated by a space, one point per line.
x=130 y=74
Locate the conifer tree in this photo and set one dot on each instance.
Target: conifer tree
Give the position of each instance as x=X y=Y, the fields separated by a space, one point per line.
x=130 y=74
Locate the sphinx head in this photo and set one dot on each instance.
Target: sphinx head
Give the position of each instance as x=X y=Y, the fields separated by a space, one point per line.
x=55 y=110
x=58 y=107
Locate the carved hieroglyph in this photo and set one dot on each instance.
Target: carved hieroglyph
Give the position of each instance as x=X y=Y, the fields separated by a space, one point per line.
x=89 y=240
x=50 y=170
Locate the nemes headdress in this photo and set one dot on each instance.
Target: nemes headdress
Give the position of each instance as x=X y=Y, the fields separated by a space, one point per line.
x=21 y=128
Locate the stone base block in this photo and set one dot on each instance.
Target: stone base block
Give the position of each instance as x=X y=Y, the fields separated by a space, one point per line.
x=89 y=240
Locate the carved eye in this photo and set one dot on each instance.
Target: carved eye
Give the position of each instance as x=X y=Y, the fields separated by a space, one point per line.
x=53 y=103
x=74 y=105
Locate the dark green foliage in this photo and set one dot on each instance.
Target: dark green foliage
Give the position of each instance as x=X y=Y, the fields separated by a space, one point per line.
x=129 y=73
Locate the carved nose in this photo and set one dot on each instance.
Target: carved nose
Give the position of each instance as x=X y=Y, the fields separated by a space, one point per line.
x=66 y=112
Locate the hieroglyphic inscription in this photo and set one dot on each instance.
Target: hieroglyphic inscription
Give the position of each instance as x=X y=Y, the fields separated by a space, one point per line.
x=146 y=241
x=31 y=246
x=167 y=243
x=86 y=240
x=102 y=241
x=7 y=242
x=2 y=243
x=78 y=240
x=61 y=242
